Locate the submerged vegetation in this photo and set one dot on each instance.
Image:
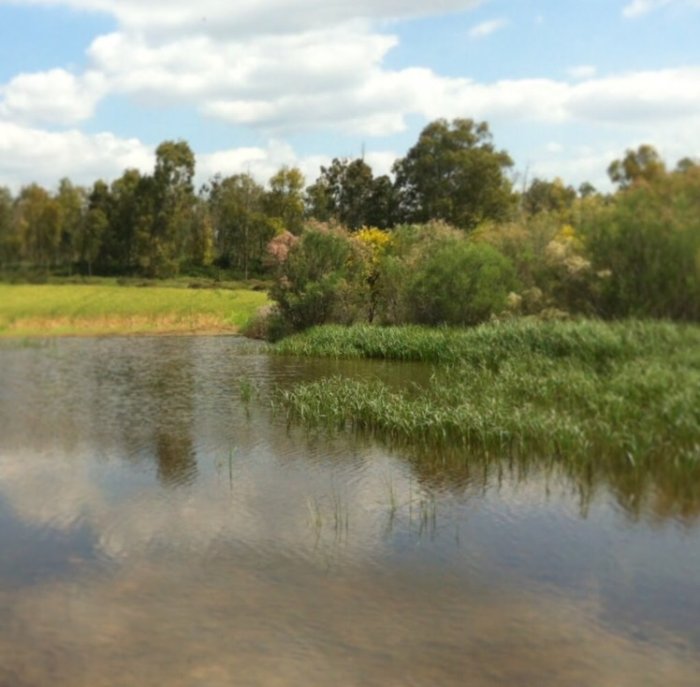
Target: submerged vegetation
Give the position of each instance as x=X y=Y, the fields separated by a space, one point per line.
x=596 y=398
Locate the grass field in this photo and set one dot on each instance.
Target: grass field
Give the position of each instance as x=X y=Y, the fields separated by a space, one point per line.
x=100 y=309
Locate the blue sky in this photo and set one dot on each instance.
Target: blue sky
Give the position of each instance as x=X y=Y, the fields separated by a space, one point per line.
x=90 y=87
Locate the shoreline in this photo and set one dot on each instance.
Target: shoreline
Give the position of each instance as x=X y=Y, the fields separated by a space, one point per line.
x=117 y=327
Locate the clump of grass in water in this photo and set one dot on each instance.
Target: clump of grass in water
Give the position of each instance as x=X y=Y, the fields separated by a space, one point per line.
x=617 y=400
x=563 y=412
x=246 y=389
x=220 y=465
x=339 y=516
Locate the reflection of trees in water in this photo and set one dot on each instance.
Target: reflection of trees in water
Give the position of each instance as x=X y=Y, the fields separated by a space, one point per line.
x=170 y=384
x=177 y=461
x=140 y=397
x=661 y=491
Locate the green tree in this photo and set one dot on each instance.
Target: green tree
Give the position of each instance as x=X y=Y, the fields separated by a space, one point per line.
x=382 y=205
x=241 y=225
x=89 y=236
x=548 y=196
x=454 y=173
x=39 y=221
x=586 y=190
x=318 y=202
x=285 y=199
x=10 y=243
x=200 y=249
x=398 y=263
x=72 y=200
x=321 y=279
x=647 y=243
x=643 y=164
x=343 y=192
x=164 y=211
x=123 y=203
x=686 y=164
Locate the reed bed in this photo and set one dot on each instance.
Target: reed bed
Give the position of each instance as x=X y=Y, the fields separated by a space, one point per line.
x=589 y=393
x=588 y=341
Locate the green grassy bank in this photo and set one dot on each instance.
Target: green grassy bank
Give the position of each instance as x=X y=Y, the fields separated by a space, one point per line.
x=595 y=395
x=97 y=309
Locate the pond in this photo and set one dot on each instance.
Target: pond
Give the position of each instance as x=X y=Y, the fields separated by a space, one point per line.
x=160 y=524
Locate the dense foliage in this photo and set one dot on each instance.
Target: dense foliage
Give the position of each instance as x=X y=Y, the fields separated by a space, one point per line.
x=321 y=279
x=648 y=243
x=446 y=241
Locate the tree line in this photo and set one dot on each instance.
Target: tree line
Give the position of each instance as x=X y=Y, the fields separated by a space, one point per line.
x=451 y=199
x=157 y=225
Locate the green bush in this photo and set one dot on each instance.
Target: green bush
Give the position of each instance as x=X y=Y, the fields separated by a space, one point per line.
x=322 y=279
x=648 y=244
x=460 y=283
x=409 y=245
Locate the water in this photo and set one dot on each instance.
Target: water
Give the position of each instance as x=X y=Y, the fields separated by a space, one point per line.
x=156 y=529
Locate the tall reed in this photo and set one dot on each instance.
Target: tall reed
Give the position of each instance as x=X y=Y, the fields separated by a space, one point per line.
x=621 y=397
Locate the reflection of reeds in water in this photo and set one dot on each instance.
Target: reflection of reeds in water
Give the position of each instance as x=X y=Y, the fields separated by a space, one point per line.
x=330 y=511
x=228 y=464
x=418 y=508
x=246 y=389
x=619 y=403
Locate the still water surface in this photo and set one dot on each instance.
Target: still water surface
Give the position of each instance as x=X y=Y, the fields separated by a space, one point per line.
x=155 y=529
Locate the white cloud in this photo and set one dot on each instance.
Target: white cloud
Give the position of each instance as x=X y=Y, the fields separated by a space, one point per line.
x=54 y=96
x=260 y=162
x=582 y=71
x=160 y=17
x=584 y=163
x=30 y=154
x=638 y=8
x=262 y=68
x=665 y=95
x=335 y=78
x=486 y=28
x=328 y=74
x=659 y=107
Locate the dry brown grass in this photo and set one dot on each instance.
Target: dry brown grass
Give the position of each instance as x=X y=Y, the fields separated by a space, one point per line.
x=120 y=324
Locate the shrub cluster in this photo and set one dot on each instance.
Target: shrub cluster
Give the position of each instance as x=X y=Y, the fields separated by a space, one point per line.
x=425 y=274
x=634 y=254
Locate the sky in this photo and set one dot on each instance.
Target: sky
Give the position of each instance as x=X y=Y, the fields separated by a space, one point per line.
x=89 y=88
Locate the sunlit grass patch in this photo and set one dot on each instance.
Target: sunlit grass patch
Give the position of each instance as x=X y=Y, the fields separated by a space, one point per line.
x=31 y=310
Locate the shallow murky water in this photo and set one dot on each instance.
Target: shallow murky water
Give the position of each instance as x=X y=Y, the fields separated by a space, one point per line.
x=156 y=529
